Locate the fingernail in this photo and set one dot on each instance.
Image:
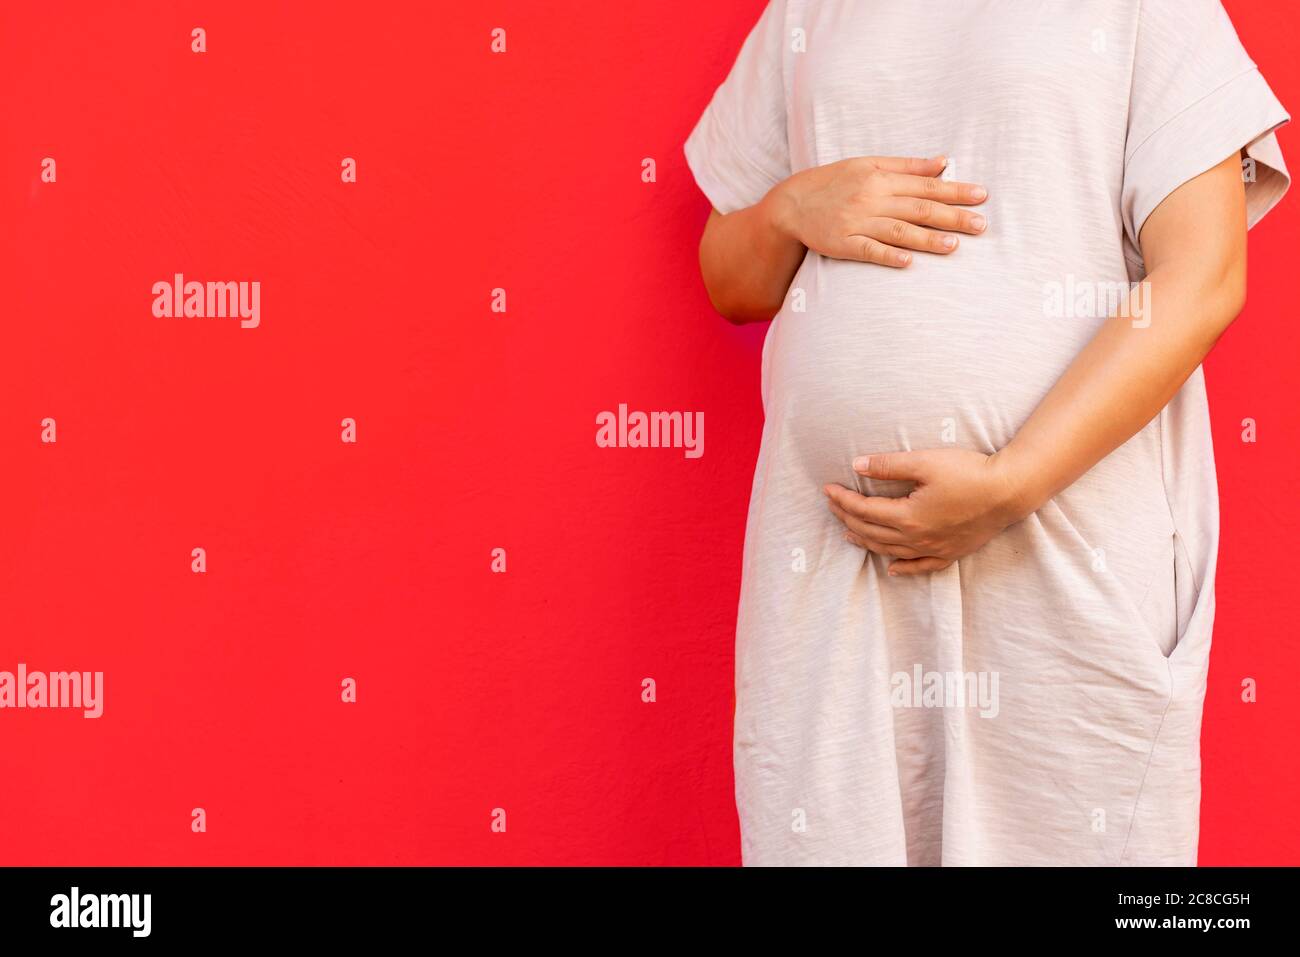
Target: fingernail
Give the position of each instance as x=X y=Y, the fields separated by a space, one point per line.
x=978 y=223
x=950 y=242
x=893 y=574
x=862 y=463
x=903 y=259
x=978 y=192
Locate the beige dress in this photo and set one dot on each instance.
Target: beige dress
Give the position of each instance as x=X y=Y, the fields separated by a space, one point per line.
x=1039 y=702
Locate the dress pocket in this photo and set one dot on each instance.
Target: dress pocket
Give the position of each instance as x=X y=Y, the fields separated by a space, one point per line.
x=1186 y=592
x=1170 y=598
x=1145 y=613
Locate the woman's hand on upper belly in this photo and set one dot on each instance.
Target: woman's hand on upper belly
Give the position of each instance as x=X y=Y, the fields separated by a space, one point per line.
x=961 y=500
x=874 y=208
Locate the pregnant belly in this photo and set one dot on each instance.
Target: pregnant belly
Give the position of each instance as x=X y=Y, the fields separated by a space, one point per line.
x=931 y=356
x=885 y=360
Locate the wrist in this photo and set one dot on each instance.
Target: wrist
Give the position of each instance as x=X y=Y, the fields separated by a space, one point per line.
x=1021 y=483
x=781 y=207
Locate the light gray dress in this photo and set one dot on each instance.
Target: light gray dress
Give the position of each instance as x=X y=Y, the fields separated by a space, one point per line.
x=1080 y=637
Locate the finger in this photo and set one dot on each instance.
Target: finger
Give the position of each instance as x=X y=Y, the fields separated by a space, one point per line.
x=897 y=233
x=899 y=552
x=868 y=250
x=939 y=190
x=881 y=533
x=927 y=212
x=878 y=510
x=912 y=165
x=887 y=537
x=893 y=466
x=917 y=566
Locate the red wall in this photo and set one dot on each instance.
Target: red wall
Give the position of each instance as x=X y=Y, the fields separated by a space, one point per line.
x=476 y=690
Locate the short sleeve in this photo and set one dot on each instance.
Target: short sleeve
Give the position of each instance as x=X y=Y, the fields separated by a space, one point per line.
x=739 y=148
x=1196 y=99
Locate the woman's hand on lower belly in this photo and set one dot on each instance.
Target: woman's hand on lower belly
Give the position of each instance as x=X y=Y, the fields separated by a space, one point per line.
x=961 y=500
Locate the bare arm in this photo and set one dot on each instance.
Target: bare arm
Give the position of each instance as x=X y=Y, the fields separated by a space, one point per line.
x=747 y=262
x=868 y=209
x=1194 y=244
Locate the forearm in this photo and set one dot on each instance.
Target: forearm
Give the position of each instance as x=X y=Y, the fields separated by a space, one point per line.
x=748 y=260
x=1123 y=378
x=1194 y=244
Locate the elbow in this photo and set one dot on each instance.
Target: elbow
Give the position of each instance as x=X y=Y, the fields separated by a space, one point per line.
x=736 y=305
x=1229 y=292
x=1235 y=290
x=739 y=313
x=1215 y=288
x=717 y=294
x=1232 y=275
x=731 y=298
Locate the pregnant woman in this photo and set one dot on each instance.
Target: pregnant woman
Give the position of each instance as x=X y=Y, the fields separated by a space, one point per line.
x=978 y=584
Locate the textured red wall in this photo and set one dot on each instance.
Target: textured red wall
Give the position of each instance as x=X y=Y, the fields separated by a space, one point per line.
x=476 y=690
